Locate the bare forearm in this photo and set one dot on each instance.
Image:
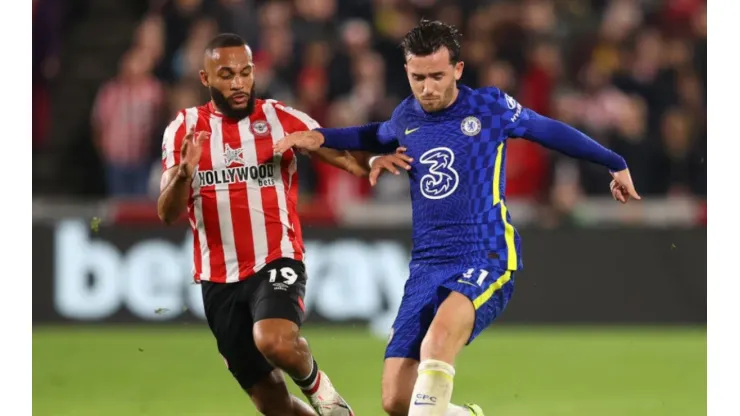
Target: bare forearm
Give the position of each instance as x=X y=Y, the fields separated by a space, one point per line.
x=174 y=197
x=354 y=162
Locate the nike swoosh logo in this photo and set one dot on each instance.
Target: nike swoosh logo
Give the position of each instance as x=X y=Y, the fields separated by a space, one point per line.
x=465 y=281
x=409 y=131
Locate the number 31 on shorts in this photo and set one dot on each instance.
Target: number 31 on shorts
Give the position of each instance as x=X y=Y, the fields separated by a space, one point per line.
x=481 y=277
x=287 y=273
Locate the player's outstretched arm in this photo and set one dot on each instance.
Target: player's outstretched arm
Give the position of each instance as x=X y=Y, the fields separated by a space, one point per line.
x=565 y=139
x=373 y=137
x=355 y=163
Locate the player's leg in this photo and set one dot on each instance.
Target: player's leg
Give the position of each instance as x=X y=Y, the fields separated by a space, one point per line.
x=270 y=396
x=231 y=323
x=450 y=329
x=399 y=376
x=276 y=302
x=469 y=307
x=400 y=369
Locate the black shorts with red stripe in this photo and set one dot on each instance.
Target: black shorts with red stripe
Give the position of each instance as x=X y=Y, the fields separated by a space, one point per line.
x=232 y=309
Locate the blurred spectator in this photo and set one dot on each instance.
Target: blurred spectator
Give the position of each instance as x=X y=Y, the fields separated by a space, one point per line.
x=238 y=16
x=313 y=81
x=150 y=37
x=356 y=40
x=188 y=59
x=126 y=120
x=538 y=81
x=677 y=165
x=501 y=74
x=47 y=15
x=178 y=16
x=314 y=20
x=600 y=103
x=628 y=137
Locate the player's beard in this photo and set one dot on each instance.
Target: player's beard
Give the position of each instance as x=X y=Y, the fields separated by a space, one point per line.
x=444 y=101
x=448 y=95
x=222 y=103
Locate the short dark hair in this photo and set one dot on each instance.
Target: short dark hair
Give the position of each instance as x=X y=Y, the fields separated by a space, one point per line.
x=225 y=40
x=429 y=36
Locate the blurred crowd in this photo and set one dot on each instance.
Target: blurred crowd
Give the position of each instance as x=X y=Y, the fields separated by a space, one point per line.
x=630 y=73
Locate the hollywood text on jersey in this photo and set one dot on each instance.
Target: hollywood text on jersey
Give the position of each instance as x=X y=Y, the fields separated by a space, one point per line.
x=263 y=174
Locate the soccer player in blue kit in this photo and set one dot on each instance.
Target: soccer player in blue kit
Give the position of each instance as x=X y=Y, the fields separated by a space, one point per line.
x=452 y=141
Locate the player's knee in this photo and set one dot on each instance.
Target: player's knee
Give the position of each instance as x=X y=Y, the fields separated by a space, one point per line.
x=274 y=345
x=394 y=404
x=450 y=330
x=442 y=344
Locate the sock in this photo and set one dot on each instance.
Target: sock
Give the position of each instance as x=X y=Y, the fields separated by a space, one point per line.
x=310 y=384
x=455 y=410
x=433 y=389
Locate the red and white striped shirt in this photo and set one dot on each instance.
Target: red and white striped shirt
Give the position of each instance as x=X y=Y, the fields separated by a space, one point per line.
x=242 y=204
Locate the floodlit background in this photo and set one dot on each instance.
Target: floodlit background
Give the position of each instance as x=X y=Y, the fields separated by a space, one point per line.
x=609 y=316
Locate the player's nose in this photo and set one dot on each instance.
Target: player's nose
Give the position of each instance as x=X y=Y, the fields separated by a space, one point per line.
x=237 y=83
x=428 y=86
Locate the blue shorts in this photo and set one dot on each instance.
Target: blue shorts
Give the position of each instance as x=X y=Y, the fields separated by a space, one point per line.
x=428 y=286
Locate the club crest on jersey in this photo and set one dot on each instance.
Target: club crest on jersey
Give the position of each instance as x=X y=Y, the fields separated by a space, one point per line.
x=470 y=126
x=232 y=156
x=260 y=128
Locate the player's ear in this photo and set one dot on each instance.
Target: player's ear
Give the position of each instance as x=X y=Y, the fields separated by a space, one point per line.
x=203 y=78
x=459 y=70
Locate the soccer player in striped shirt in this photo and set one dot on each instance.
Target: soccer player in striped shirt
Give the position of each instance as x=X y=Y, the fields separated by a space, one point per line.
x=218 y=164
x=466 y=251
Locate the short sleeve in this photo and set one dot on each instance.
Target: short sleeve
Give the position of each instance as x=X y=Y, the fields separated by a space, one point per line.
x=294 y=120
x=172 y=141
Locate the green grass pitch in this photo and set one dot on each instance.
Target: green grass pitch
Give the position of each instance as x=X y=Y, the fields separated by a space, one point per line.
x=509 y=371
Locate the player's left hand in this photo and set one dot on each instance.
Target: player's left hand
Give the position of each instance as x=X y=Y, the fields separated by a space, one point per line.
x=622 y=187
x=303 y=140
x=389 y=163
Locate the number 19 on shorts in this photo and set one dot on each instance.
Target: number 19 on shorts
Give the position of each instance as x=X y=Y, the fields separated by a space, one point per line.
x=287 y=273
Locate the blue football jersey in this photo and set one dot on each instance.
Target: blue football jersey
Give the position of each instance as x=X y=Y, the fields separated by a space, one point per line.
x=458 y=177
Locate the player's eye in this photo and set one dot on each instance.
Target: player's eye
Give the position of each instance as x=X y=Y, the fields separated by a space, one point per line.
x=226 y=75
x=418 y=78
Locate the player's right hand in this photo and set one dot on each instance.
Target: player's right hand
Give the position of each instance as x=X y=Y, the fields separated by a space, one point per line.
x=191 y=150
x=303 y=140
x=389 y=163
x=622 y=187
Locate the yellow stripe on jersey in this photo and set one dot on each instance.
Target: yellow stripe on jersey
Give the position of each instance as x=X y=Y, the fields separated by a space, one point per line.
x=498 y=284
x=497 y=174
x=512 y=261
